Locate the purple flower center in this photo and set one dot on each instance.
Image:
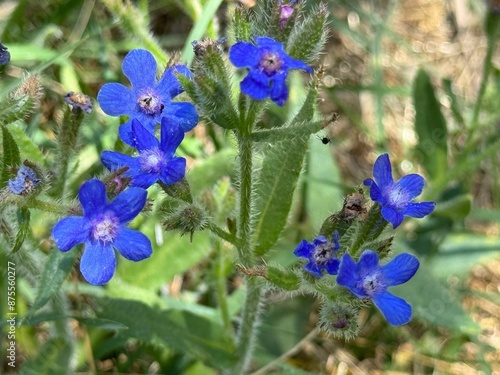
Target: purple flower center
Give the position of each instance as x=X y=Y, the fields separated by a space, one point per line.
x=323 y=253
x=372 y=284
x=149 y=101
x=105 y=228
x=270 y=62
x=152 y=160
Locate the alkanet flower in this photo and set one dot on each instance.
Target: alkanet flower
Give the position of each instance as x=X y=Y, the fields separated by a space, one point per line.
x=396 y=198
x=321 y=253
x=25 y=181
x=156 y=161
x=102 y=229
x=268 y=67
x=148 y=100
x=366 y=279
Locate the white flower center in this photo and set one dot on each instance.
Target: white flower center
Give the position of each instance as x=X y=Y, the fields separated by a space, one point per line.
x=152 y=160
x=105 y=228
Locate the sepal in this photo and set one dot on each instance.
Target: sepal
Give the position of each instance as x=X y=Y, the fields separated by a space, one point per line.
x=187 y=218
x=339 y=319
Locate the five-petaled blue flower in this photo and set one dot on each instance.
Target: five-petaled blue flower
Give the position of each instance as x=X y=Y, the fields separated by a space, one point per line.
x=148 y=100
x=395 y=198
x=25 y=181
x=102 y=228
x=321 y=254
x=268 y=67
x=366 y=279
x=156 y=159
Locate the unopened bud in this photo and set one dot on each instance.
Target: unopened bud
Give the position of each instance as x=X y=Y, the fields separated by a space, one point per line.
x=339 y=319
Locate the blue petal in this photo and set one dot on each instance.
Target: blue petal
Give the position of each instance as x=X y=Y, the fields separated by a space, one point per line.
x=332 y=266
x=279 y=91
x=128 y=203
x=115 y=160
x=145 y=180
x=348 y=276
x=411 y=183
x=139 y=66
x=169 y=83
x=174 y=171
x=396 y=310
x=382 y=171
x=368 y=262
x=255 y=85
x=132 y=244
x=125 y=132
x=313 y=269
x=303 y=249
x=70 y=232
x=400 y=269
x=392 y=216
x=265 y=41
x=336 y=244
x=171 y=136
x=116 y=100
x=295 y=64
x=243 y=54
x=320 y=240
x=375 y=193
x=182 y=113
x=420 y=209
x=98 y=263
x=92 y=196
x=143 y=139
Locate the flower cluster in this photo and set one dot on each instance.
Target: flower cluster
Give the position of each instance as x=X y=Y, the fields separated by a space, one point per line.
x=367 y=279
x=103 y=225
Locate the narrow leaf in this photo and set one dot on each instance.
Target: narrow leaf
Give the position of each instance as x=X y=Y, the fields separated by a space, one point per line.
x=23 y=218
x=180 y=330
x=11 y=156
x=430 y=126
x=56 y=269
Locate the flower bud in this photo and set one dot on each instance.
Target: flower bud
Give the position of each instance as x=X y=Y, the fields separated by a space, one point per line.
x=339 y=319
x=187 y=218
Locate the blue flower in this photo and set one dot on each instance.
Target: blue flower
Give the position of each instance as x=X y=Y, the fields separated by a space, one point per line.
x=148 y=100
x=321 y=254
x=395 y=198
x=268 y=67
x=156 y=159
x=103 y=228
x=25 y=181
x=367 y=279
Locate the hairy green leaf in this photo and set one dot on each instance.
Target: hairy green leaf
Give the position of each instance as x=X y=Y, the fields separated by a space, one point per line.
x=11 y=156
x=176 y=329
x=430 y=126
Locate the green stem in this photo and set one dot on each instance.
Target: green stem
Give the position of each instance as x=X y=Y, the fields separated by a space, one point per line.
x=46 y=206
x=226 y=236
x=249 y=323
x=244 y=223
x=249 y=320
x=221 y=288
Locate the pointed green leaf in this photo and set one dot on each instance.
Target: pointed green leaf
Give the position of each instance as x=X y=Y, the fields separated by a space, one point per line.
x=23 y=218
x=283 y=278
x=27 y=148
x=56 y=269
x=176 y=329
x=430 y=126
x=277 y=181
x=11 y=157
